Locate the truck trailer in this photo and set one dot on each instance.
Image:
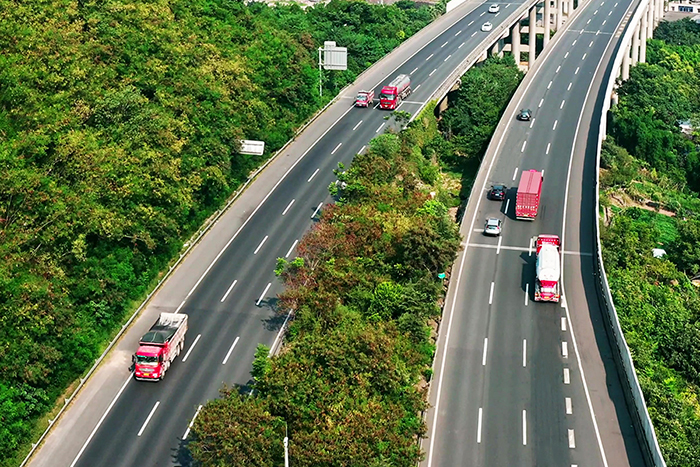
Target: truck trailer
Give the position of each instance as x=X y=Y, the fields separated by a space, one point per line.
x=159 y=347
x=547 y=269
x=527 y=201
x=392 y=95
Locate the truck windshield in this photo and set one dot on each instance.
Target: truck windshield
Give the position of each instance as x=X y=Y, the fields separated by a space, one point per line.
x=143 y=359
x=361 y=97
x=390 y=97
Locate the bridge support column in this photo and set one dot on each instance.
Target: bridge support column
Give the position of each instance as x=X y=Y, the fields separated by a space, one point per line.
x=546 y=19
x=635 y=46
x=643 y=39
x=654 y=18
x=626 y=65
x=660 y=10
x=558 y=6
x=515 y=42
x=495 y=48
x=484 y=55
x=650 y=22
x=532 y=38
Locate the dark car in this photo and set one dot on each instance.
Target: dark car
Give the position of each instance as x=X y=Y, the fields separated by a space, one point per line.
x=498 y=192
x=524 y=115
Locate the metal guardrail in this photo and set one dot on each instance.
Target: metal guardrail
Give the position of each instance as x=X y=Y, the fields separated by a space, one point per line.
x=634 y=395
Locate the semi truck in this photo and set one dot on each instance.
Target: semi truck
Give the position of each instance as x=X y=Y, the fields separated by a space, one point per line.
x=160 y=346
x=527 y=200
x=547 y=269
x=392 y=95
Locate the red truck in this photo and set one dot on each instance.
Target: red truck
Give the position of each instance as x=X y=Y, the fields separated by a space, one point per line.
x=392 y=95
x=364 y=99
x=547 y=269
x=527 y=200
x=159 y=347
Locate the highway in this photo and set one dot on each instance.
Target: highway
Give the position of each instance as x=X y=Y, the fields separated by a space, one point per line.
x=231 y=297
x=518 y=382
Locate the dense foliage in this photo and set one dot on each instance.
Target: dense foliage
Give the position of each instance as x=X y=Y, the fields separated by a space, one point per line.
x=119 y=124
x=649 y=181
x=349 y=383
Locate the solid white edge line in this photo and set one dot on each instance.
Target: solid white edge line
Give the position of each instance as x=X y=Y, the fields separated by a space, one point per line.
x=228 y=291
x=263 y=294
x=491 y=294
x=148 y=419
x=178 y=308
x=486 y=348
x=524 y=428
x=478 y=426
x=524 y=353
x=287 y=208
x=498 y=248
x=318 y=208
x=102 y=419
x=260 y=246
x=189 y=351
x=228 y=354
x=312 y=176
x=340 y=144
x=362 y=149
x=189 y=427
x=291 y=248
x=279 y=334
x=569 y=407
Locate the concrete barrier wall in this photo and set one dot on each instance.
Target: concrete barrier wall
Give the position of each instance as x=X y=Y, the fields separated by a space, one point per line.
x=452 y=4
x=628 y=375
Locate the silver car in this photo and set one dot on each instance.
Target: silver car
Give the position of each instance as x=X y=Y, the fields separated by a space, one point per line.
x=493 y=226
x=486 y=26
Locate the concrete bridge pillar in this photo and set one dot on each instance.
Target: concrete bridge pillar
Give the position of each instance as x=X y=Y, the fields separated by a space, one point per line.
x=495 y=48
x=626 y=65
x=558 y=6
x=532 y=38
x=660 y=10
x=515 y=42
x=635 y=45
x=650 y=21
x=643 y=39
x=546 y=20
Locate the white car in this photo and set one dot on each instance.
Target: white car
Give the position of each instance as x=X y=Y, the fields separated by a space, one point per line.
x=486 y=26
x=492 y=226
x=494 y=8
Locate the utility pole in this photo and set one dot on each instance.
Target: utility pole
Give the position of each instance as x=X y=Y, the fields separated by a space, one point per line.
x=286 y=446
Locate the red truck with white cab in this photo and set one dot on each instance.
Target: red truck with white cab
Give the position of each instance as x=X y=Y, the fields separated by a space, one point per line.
x=392 y=95
x=547 y=269
x=527 y=201
x=159 y=347
x=364 y=99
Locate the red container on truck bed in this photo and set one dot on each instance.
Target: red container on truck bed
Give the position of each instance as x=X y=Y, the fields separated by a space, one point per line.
x=528 y=198
x=392 y=95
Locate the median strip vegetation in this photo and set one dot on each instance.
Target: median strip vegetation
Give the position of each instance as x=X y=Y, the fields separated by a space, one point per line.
x=349 y=385
x=119 y=124
x=650 y=180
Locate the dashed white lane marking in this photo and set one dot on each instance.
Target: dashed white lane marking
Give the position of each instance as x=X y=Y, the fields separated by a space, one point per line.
x=574 y=42
x=540 y=104
x=260 y=246
x=262 y=295
x=527 y=294
x=491 y=294
x=189 y=427
x=318 y=208
x=532 y=123
x=554 y=127
x=429 y=57
x=569 y=408
x=563 y=323
x=148 y=419
x=565 y=349
x=416 y=88
x=474 y=34
x=567 y=376
x=287 y=208
x=486 y=347
x=340 y=144
x=291 y=248
x=595 y=13
x=431 y=73
x=507 y=204
x=524 y=428
x=572 y=440
x=460 y=45
x=524 y=353
x=566 y=54
x=576 y=72
x=448 y=57
x=458 y=33
x=549 y=85
x=189 y=351
x=312 y=176
x=478 y=426
x=380 y=127
x=584 y=57
x=228 y=354
x=569 y=88
x=562 y=104
x=587 y=22
x=498 y=248
x=548 y=145
x=482 y=14
x=414 y=70
x=522 y=149
x=515 y=173
x=603 y=23
x=355 y=127
x=443 y=45
x=592 y=41
x=228 y=291
x=472 y=22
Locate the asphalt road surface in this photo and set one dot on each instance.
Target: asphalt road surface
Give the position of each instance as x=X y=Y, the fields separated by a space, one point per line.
x=518 y=382
x=230 y=307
